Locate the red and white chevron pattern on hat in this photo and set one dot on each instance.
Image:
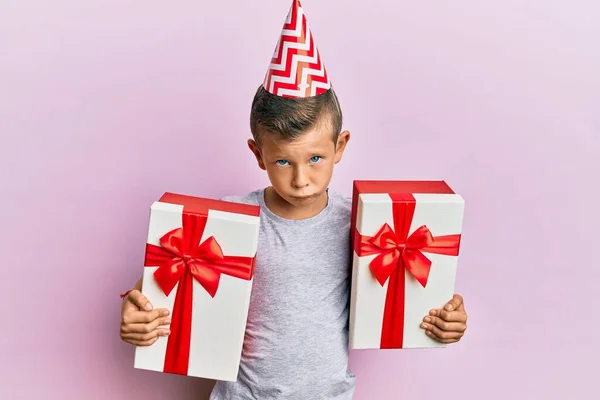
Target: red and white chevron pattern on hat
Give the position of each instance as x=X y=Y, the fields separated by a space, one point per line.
x=296 y=69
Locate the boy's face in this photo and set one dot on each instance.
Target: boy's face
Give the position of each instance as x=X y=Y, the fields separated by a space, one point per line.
x=300 y=170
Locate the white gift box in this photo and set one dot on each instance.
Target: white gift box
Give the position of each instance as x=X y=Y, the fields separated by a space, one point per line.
x=415 y=258
x=207 y=333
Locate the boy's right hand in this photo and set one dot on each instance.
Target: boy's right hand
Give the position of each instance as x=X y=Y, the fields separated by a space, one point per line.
x=141 y=325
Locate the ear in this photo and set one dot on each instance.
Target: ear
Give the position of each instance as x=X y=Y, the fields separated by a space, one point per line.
x=256 y=151
x=342 y=142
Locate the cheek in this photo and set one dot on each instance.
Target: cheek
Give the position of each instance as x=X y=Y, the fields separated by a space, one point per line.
x=323 y=171
x=275 y=173
x=328 y=164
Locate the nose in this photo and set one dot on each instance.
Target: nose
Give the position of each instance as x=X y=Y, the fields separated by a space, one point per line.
x=300 y=178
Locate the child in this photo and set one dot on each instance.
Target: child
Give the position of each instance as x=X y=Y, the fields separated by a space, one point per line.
x=296 y=344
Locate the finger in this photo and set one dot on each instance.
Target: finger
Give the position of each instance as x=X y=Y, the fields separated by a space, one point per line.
x=145 y=317
x=449 y=316
x=437 y=333
x=144 y=344
x=136 y=297
x=454 y=304
x=144 y=337
x=445 y=341
x=145 y=328
x=444 y=325
x=141 y=343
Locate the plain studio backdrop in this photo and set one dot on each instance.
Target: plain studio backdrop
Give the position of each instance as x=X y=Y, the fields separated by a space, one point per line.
x=106 y=104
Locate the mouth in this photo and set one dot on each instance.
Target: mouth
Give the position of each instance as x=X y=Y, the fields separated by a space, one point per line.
x=302 y=198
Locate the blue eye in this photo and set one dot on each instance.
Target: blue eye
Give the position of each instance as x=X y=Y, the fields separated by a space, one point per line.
x=281 y=162
x=315 y=159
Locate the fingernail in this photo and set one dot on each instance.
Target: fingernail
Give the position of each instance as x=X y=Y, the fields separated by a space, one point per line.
x=167 y=321
x=428 y=333
x=432 y=312
x=427 y=319
x=449 y=307
x=167 y=333
x=424 y=326
x=148 y=306
x=165 y=313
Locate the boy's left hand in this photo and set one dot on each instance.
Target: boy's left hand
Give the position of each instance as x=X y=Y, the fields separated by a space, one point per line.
x=447 y=325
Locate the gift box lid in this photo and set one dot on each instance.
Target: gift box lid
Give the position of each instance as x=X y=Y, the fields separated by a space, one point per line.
x=199 y=205
x=400 y=186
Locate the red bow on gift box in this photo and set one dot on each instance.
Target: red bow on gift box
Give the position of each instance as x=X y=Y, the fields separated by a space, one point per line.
x=395 y=251
x=179 y=252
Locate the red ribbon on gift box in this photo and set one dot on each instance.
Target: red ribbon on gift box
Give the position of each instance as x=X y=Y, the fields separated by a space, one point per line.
x=181 y=259
x=398 y=252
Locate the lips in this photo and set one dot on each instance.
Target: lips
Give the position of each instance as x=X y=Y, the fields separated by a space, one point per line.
x=302 y=197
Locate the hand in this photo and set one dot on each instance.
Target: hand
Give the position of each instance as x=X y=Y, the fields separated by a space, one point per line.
x=140 y=322
x=447 y=325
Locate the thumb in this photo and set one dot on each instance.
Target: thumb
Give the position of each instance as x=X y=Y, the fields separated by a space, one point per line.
x=136 y=297
x=455 y=303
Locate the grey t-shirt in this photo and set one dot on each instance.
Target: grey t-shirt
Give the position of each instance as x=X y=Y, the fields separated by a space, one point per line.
x=296 y=344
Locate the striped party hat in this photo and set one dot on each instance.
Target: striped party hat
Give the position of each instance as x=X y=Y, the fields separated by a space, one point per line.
x=296 y=69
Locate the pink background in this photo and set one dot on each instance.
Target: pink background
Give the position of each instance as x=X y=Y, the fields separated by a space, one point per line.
x=106 y=104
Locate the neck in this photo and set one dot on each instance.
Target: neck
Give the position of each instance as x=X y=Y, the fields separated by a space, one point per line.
x=286 y=210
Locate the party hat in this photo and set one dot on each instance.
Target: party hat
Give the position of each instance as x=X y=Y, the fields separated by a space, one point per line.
x=296 y=69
